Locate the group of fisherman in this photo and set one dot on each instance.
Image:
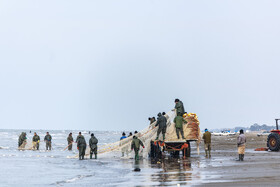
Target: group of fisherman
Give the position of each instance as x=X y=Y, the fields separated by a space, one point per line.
x=161 y=122
x=22 y=141
x=81 y=143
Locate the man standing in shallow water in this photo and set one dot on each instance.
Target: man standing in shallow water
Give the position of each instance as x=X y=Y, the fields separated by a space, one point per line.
x=48 y=140
x=70 y=141
x=36 y=141
x=135 y=144
x=81 y=145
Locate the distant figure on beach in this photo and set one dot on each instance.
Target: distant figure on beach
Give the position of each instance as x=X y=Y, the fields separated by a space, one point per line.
x=81 y=146
x=70 y=141
x=161 y=123
x=22 y=140
x=36 y=141
x=135 y=144
x=179 y=120
x=130 y=134
x=123 y=137
x=241 y=140
x=93 y=146
x=207 y=142
x=179 y=106
x=135 y=132
x=48 y=140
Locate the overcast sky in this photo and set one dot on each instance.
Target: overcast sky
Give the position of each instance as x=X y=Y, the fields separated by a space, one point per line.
x=111 y=64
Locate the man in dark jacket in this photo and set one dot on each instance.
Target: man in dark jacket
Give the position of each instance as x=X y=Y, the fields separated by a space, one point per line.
x=36 y=141
x=135 y=144
x=179 y=106
x=70 y=141
x=93 y=146
x=48 y=140
x=22 y=140
x=161 y=123
x=81 y=145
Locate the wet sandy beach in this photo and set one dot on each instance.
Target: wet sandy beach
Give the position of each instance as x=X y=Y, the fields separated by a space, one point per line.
x=260 y=168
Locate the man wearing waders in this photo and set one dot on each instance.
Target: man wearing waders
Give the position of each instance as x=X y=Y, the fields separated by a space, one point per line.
x=179 y=106
x=70 y=141
x=161 y=123
x=81 y=145
x=22 y=140
x=178 y=120
x=207 y=142
x=93 y=146
x=36 y=141
x=136 y=146
x=241 y=140
x=48 y=140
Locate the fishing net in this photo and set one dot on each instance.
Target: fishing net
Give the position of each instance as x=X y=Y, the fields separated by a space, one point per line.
x=26 y=145
x=123 y=147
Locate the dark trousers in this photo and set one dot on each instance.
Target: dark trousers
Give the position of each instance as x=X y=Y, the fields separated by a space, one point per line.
x=161 y=130
x=136 y=154
x=82 y=152
x=48 y=145
x=93 y=150
x=180 y=130
x=70 y=146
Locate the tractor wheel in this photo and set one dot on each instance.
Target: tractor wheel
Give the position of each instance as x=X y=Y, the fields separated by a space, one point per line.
x=273 y=142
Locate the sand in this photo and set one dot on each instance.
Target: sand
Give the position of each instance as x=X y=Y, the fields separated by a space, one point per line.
x=260 y=168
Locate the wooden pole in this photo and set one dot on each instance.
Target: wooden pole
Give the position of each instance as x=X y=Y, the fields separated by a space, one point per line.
x=68 y=146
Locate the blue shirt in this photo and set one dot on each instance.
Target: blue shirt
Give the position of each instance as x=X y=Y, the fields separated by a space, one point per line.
x=123 y=137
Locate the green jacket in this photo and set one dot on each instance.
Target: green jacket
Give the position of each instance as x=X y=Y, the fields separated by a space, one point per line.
x=81 y=142
x=207 y=137
x=22 y=138
x=135 y=144
x=48 y=138
x=178 y=120
x=161 y=122
x=93 y=142
x=70 y=139
x=180 y=107
x=36 y=138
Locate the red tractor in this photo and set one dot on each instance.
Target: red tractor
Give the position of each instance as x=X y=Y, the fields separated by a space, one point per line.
x=273 y=140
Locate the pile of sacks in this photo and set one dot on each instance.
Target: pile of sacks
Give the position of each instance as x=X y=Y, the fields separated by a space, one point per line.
x=192 y=130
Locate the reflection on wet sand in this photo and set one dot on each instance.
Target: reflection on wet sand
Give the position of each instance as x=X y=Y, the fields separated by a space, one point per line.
x=173 y=171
